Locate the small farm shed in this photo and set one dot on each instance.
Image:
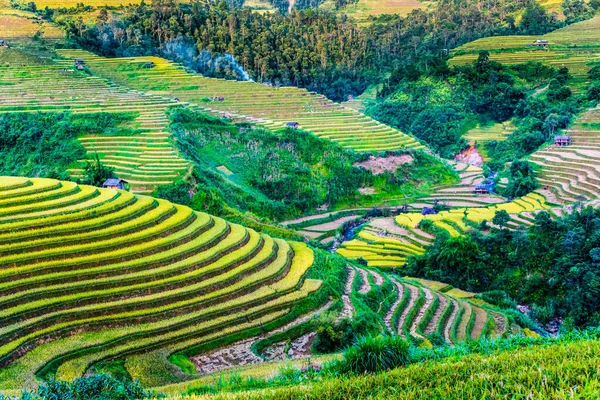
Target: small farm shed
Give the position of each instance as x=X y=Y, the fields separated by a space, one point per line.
x=149 y=65
x=484 y=188
x=562 y=140
x=79 y=63
x=4 y=44
x=541 y=43
x=293 y=125
x=428 y=211
x=114 y=183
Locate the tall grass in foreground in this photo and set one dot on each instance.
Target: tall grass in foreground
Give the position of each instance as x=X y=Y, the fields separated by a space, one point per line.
x=390 y=367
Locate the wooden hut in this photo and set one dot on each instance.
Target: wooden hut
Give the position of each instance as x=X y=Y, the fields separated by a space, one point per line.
x=541 y=43
x=562 y=140
x=115 y=183
x=4 y=44
x=149 y=65
x=484 y=188
x=292 y=125
x=79 y=63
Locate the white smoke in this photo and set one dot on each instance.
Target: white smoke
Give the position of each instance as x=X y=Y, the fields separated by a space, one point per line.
x=183 y=50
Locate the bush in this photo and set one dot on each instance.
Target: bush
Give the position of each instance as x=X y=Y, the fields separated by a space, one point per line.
x=96 y=387
x=374 y=354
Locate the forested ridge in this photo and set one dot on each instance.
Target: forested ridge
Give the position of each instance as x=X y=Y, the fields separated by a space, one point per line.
x=321 y=51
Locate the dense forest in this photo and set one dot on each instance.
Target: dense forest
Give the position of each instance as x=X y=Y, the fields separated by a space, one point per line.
x=553 y=265
x=321 y=51
x=282 y=174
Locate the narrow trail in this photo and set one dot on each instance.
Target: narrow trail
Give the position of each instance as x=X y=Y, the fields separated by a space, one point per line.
x=433 y=324
x=366 y=285
x=461 y=332
x=377 y=277
x=414 y=294
x=481 y=317
x=421 y=314
x=348 y=308
x=450 y=322
x=390 y=314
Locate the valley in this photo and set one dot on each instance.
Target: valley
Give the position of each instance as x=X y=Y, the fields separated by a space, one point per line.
x=285 y=200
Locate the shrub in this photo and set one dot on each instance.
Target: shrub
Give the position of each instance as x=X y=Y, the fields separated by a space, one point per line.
x=374 y=354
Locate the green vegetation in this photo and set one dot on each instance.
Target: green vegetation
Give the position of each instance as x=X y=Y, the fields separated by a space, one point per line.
x=96 y=274
x=283 y=174
x=96 y=387
x=552 y=265
x=439 y=105
x=517 y=362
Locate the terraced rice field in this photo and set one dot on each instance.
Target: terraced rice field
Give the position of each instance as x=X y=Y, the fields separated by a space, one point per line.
x=572 y=173
x=576 y=47
x=363 y=9
x=421 y=310
x=387 y=242
x=145 y=159
x=249 y=101
x=92 y=274
x=481 y=134
x=461 y=194
x=379 y=251
x=18 y=26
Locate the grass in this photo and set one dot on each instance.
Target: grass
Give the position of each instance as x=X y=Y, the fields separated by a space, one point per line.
x=95 y=274
x=562 y=370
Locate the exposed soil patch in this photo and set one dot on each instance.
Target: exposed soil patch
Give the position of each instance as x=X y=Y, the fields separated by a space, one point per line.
x=470 y=156
x=348 y=308
x=380 y=165
x=450 y=322
x=366 y=191
x=388 y=316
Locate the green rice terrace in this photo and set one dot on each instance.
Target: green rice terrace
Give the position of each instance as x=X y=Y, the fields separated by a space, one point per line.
x=174 y=279
x=576 y=47
x=176 y=283
x=249 y=101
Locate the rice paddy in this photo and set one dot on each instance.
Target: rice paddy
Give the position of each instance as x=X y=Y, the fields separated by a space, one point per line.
x=92 y=274
x=248 y=101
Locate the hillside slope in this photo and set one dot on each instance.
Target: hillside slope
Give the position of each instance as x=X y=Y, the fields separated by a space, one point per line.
x=524 y=373
x=249 y=101
x=92 y=274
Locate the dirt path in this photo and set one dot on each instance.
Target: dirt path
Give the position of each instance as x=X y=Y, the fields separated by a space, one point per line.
x=348 y=308
x=329 y=226
x=390 y=314
x=414 y=294
x=366 y=285
x=450 y=322
x=461 y=332
x=377 y=277
x=480 y=319
x=433 y=324
x=421 y=314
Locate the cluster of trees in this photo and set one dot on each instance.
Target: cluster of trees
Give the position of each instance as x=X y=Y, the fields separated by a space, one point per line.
x=321 y=51
x=439 y=104
x=554 y=265
x=38 y=145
